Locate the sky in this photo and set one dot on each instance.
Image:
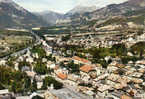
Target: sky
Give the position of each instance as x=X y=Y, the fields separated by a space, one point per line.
x=62 y=6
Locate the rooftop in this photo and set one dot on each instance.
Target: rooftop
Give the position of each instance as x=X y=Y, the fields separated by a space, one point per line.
x=5 y=91
x=86 y=68
x=80 y=59
x=62 y=76
x=66 y=93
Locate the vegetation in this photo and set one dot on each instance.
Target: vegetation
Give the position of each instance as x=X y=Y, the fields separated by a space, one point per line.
x=51 y=58
x=111 y=21
x=73 y=68
x=38 y=49
x=126 y=59
x=37 y=97
x=138 y=48
x=50 y=80
x=65 y=38
x=34 y=85
x=85 y=84
x=12 y=41
x=40 y=68
x=119 y=49
x=15 y=81
x=23 y=64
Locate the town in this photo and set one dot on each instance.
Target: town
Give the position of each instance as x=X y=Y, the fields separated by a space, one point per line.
x=72 y=49
x=86 y=68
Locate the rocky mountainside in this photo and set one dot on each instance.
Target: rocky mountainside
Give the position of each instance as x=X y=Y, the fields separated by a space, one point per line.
x=81 y=10
x=131 y=11
x=118 y=9
x=54 y=17
x=14 y=16
x=50 y=16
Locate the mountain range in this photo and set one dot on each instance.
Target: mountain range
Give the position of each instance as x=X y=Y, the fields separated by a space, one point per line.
x=118 y=9
x=53 y=17
x=131 y=10
x=93 y=13
x=14 y=16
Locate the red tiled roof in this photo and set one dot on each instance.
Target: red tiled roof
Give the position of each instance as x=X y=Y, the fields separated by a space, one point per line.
x=62 y=76
x=86 y=68
x=125 y=97
x=80 y=59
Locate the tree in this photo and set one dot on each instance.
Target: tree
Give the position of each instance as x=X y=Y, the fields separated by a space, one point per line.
x=37 y=97
x=17 y=87
x=119 y=49
x=38 y=49
x=65 y=38
x=27 y=83
x=138 y=48
x=74 y=68
x=103 y=63
x=62 y=64
x=10 y=63
x=50 y=80
x=34 y=85
x=16 y=81
x=13 y=88
x=40 y=68
x=22 y=64
x=1 y=86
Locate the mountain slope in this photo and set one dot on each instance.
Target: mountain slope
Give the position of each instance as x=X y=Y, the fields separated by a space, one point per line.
x=118 y=9
x=50 y=16
x=131 y=8
x=14 y=16
x=53 y=17
x=82 y=9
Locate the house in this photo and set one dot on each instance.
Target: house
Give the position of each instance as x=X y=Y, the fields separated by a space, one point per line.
x=78 y=60
x=142 y=62
x=86 y=68
x=61 y=76
x=3 y=62
x=103 y=88
x=120 y=85
x=125 y=97
x=30 y=74
x=5 y=94
x=120 y=65
x=73 y=77
x=26 y=68
x=39 y=85
x=101 y=77
x=53 y=66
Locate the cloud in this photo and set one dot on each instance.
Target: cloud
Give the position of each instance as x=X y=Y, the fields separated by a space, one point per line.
x=62 y=5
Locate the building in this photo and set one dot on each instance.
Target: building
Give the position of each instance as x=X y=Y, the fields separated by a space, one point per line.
x=86 y=68
x=78 y=60
x=61 y=76
x=5 y=94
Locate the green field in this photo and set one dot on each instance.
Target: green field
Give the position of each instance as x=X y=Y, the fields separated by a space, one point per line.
x=11 y=41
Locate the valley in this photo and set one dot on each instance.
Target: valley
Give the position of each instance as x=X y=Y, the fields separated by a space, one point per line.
x=86 y=53
x=12 y=41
